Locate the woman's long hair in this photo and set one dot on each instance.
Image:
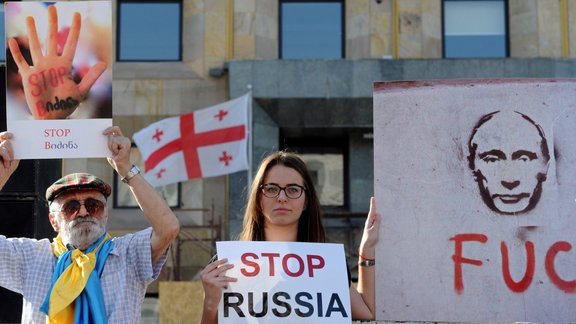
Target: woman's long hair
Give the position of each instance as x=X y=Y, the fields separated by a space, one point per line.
x=310 y=228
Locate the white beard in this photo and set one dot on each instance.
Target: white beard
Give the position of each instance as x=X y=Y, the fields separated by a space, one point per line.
x=82 y=231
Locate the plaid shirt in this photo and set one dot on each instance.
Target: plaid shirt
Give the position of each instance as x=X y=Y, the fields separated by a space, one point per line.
x=26 y=267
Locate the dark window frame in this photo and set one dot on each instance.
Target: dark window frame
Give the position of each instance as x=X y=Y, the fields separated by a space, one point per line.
x=117 y=181
x=119 y=26
x=506 y=27
x=323 y=145
x=342 y=18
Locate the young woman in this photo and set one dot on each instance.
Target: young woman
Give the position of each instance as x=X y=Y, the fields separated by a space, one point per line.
x=283 y=206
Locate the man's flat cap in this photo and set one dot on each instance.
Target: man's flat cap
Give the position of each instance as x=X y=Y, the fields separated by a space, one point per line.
x=76 y=181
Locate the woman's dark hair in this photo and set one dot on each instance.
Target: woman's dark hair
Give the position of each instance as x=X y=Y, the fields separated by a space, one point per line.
x=310 y=228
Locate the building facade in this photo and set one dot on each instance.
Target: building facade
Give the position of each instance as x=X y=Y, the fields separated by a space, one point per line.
x=310 y=66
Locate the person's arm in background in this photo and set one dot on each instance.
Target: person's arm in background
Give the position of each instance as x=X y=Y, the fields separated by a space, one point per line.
x=7 y=164
x=165 y=225
x=363 y=298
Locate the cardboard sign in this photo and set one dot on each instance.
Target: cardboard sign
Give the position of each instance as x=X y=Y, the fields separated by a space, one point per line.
x=58 y=78
x=283 y=282
x=475 y=181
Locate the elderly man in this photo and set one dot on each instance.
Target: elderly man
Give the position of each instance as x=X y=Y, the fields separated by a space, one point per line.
x=84 y=275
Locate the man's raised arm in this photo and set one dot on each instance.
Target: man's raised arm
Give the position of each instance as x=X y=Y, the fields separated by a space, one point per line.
x=165 y=225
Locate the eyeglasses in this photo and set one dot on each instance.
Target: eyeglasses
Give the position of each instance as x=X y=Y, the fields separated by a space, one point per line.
x=292 y=191
x=72 y=207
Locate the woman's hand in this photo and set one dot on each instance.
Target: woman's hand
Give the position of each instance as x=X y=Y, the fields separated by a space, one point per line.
x=214 y=279
x=49 y=88
x=370 y=235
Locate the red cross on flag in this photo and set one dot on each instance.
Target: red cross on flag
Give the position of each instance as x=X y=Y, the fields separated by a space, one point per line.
x=204 y=143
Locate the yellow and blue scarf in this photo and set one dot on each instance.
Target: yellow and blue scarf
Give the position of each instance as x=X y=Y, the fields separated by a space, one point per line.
x=75 y=280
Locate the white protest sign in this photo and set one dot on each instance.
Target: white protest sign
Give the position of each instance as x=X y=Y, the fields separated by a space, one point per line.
x=475 y=181
x=285 y=282
x=59 y=78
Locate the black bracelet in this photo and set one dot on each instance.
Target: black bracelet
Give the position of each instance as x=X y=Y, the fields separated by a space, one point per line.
x=367 y=263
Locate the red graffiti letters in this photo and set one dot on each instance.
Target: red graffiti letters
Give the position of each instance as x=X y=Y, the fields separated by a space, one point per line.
x=568 y=286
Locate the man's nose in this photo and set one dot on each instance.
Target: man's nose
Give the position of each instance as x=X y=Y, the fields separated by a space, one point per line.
x=510 y=184
x=82 y=212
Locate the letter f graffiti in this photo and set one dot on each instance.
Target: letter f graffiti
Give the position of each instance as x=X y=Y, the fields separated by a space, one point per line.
x=459 y=260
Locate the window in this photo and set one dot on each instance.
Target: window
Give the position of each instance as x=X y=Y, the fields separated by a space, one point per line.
x=474 y=28
x=149 y=30
x=327 y=171
x=123 y=197
x=3 y=32
x=326 y=164
x=311 y=29
x=3 y=36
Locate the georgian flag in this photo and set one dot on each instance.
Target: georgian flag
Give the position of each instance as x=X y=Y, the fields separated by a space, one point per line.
x=204 y=143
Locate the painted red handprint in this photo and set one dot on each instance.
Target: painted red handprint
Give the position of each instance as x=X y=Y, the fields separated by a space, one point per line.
x=49 y=88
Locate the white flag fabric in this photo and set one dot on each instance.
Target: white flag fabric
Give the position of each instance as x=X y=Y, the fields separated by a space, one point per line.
x=204 y=143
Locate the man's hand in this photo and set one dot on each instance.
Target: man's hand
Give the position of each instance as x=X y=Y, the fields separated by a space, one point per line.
x=50 y=90
x=7 y=164
x=119 y=146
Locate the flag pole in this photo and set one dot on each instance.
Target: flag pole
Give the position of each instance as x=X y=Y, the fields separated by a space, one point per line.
x=250 y=137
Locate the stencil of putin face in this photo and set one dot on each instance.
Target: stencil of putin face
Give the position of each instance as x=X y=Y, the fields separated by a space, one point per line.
x=509 y=159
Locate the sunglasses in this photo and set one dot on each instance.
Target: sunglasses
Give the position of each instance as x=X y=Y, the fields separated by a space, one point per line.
x=93 y=206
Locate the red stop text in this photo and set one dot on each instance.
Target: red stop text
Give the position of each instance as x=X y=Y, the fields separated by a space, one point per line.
x=299 y=265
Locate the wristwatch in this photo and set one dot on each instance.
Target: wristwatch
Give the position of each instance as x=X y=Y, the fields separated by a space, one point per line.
x=134 y=170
